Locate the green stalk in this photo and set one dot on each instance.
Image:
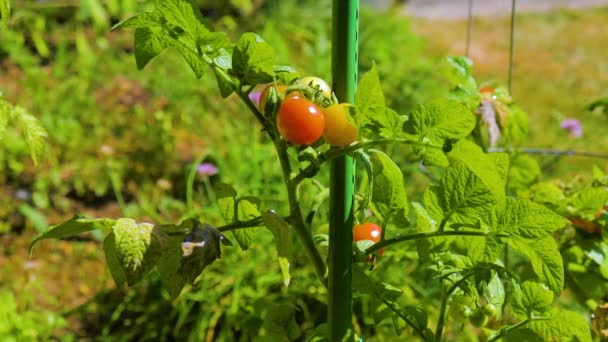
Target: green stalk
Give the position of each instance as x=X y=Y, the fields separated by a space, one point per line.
x=345 y=18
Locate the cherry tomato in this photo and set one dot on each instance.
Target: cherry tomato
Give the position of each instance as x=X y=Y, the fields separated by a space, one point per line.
x=300 y=121
x=317 y=83
x=367 y=231
x=489 y=310
x=281 y=88
x=340 y=130
x=487 y=90
x=478 y=318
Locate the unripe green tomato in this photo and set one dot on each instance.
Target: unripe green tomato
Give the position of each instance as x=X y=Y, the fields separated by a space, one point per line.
x=460 y=308
x=478 y=318
x=489 y=310
x=317 y=83
x=340 y=130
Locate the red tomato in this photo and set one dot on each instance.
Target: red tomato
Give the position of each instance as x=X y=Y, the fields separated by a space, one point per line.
x=367 y=231
x=300 y=121
x=486 y=90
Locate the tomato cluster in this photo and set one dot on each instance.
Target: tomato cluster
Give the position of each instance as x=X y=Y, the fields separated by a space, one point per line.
x=301 y=121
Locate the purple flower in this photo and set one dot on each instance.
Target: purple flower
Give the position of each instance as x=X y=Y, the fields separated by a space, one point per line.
x=206 y=169
x=573 y=126
x=254 y=96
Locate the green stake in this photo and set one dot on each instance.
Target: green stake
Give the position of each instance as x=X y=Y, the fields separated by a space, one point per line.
x=345 y=21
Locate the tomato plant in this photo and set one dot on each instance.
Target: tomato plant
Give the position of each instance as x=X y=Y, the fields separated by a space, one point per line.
x=340 y=130
x=457 y=229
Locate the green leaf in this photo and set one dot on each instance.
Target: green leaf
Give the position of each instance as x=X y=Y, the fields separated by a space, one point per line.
x=183 y=14
x=546 y=260
x=369 y=99
x=523 y=173
x=484 y=249
x=283 y=241
x=526 y=219
x=285 y=73
x=253 y=59
x=73 y=227
x=391 y=123
x=168 y=266
x=200 y=248
x=587 y=202
x=248 y=208
x=437 y=122
x=137 y=247
x=149 y=43
x=226 y=201
x=418 y=319
x=118 y=273
x=531 y=299
x=522 y=334
x=196 y=63
x=389 y=200
x=422 y=221
x=5 y=115
x=37 y=218
x=280 y=322
x=141 y=20
x=458 y=70
x=491 y=169
x=460 y=198
x=33 y=132
x=226 y=88
x=364 y=284
x=546 y=193
x=516 y=128
x=441 y=120
x=562 y=325
x=5 y=12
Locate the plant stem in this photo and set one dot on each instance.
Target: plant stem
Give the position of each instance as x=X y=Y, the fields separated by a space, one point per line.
x=403 y=317
x=334 y=153
x=444 y=306
x=343 y=151
x=295 y=213
x=190 y=182
x=503 y=331
x=419 y=236
x=254 y=222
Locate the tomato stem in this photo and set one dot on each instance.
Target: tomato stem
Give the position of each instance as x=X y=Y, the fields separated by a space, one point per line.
x=444 y=306
x=295 y=212
x=420 y=236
